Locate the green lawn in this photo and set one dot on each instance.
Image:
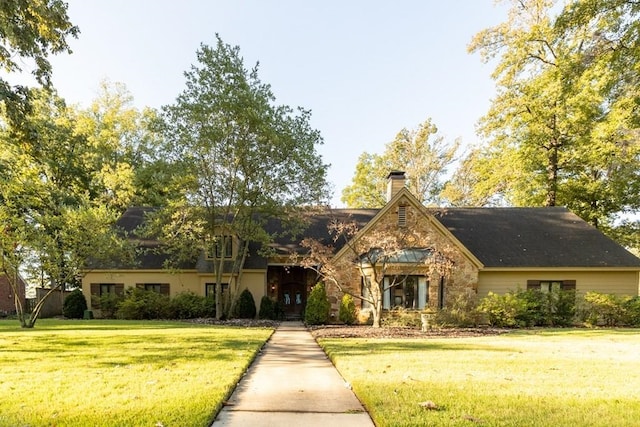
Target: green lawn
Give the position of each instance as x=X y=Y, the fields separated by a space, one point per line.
x=117 y=373
x=530 y=378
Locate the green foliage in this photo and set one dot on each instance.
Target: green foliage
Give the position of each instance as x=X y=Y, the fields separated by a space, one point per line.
x=461 y=311
x=610 y=310
x=108 y=304
x=561 y=129
x=318 y=308
x=245 y=307
x=347 y=313
x=74 y=305
x=266 y=308
x=401 y=318
x=188 y=305
x=420 y=152
x=238 y=154
x=529 y=308
x=139 y=304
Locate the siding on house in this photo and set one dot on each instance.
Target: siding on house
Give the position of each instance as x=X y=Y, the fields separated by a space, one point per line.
x=604 y=281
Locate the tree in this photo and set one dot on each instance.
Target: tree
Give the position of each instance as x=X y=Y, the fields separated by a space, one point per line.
x=52 y=230
x=385 y=251
x=421 y=153
x=244 y=159
x=123 y=151
x=562 y=129
x=30 y=29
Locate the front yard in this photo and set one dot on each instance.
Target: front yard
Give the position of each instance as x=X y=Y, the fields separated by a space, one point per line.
x=562 y=377
x=118 y=373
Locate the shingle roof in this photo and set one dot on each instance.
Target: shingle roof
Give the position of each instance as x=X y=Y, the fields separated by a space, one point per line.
x=498 y=237
x=533 y=237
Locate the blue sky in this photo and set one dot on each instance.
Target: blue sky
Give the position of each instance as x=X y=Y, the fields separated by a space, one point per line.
x=366 y=69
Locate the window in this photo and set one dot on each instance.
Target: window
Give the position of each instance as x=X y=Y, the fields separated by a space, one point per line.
x=160 y=288
x=107 y=288
x=99 y=290
x=222 y=247
x=411 y=292
x=551 y=285
x=210 y=289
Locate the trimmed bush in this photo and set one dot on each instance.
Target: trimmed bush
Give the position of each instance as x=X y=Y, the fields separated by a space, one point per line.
x=74 y=305
x=266 y=309
x=347 y=313
x=245 y=306
x=318 y=306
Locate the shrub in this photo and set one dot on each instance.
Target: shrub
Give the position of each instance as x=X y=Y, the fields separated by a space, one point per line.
x=401 y=318
x=602 y=308
x=318 y=307
x=188 y=305
x=245 y=307
x=108 y=304
x=632 y=311
x=74 y=305
x=461 y=311
x=347 y=313
x=503 y=310
x=266 y=309
x=139 y=304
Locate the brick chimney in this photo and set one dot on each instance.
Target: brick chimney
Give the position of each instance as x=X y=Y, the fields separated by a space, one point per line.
x=395 y=182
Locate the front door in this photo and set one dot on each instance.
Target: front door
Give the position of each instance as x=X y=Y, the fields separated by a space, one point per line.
x=293 y=299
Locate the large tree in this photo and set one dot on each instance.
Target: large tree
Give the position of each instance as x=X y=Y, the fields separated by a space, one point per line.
x=244 y=160
x=421 y=153
x=30 y=30
x=51 y=226
x=562 y=128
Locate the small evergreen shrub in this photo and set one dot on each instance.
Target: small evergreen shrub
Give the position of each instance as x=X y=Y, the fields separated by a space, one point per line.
x=245 y=306
x=318 y=306
x=347 y=312
x=74 y=305
x=266 y=309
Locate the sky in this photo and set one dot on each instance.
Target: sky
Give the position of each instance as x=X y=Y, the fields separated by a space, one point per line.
x=365 y=69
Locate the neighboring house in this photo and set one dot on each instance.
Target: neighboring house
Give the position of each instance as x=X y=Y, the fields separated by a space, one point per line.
x=489 y=249
x=7 y=296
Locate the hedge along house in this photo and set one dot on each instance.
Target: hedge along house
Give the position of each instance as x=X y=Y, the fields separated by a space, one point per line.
x=483 y=250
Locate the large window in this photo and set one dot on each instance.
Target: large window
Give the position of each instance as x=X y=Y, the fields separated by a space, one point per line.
x=410 y=292
x=222 y=247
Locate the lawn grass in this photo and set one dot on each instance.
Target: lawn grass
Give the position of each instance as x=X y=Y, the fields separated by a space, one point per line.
x=529 y=378
x=120 y=373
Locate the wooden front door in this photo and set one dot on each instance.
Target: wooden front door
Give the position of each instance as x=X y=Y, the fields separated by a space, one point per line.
x=293 y=299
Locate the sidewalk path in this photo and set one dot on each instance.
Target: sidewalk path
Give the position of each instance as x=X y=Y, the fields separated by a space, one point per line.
x=292 y=383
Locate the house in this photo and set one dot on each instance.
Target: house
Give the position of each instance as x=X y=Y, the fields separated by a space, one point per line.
x=486 y=250
x=7 y=295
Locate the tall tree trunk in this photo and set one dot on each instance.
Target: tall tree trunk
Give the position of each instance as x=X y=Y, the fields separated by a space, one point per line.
x=552 y=174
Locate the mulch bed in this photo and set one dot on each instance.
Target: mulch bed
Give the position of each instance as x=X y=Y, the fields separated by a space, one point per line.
x=344 y=331
x=341 y=331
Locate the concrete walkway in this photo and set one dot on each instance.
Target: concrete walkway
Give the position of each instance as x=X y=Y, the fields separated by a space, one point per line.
x=292 y=383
